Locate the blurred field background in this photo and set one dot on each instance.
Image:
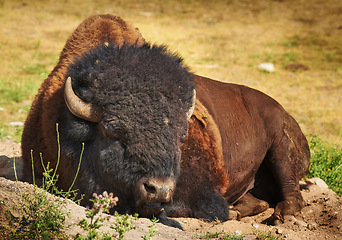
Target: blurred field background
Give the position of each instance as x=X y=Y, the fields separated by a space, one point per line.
x=224 y=40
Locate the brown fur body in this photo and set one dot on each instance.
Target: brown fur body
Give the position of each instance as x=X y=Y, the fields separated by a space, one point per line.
x=239 y=140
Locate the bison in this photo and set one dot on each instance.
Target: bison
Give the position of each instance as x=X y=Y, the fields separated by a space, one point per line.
x=167 y=142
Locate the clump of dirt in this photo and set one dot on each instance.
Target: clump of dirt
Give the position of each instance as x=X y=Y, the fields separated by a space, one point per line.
x=321 y=218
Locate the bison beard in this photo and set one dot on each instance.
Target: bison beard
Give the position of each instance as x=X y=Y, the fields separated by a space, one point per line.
x=133 y=105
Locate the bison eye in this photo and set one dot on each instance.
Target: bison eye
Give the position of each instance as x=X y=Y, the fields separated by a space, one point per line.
x=113 y=133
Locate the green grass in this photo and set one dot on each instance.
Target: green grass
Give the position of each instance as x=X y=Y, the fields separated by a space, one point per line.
x=221 y=236
x=326 y=163
x=16 y=91
x=257 y=235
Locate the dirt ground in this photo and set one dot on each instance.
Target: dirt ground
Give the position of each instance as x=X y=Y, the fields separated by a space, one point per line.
x=321 y=217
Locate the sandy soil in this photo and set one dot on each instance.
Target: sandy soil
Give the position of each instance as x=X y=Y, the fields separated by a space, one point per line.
x=321 y=217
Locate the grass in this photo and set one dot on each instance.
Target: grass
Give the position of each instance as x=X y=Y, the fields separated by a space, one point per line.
x=221 y=236
x=258 y=235
x=224 y=40
x=326 y=163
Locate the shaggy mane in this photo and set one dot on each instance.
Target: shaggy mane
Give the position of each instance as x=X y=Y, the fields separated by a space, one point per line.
x=146 y=66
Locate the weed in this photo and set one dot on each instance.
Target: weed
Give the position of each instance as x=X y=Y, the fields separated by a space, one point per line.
x=151 y=229
x=326 y=163
x=102 y=204
x=124 y=223
x=265 y=235
x=257 y=235
x=221 y=236
x=42 y=215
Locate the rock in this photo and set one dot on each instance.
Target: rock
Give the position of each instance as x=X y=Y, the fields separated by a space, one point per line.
x=255 y=225
x=16 y=124
x=279 y=230
x=317 y=181
x=267 y=67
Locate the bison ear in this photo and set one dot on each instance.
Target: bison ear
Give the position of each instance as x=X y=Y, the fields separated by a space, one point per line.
x=78 y=107
x=192 y=108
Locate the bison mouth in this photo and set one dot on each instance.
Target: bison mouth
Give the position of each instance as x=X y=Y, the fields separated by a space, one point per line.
x=151 y=209
x=152 y=194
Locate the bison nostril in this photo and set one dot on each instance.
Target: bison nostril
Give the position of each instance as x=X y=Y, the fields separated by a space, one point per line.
x=150 y=188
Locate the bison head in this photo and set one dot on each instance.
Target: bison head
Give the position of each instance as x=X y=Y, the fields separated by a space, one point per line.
x=130 y=106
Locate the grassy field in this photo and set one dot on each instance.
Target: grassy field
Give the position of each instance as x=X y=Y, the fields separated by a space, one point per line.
x=224 y=40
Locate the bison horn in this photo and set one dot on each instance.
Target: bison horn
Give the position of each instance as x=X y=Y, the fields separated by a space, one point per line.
x=192 y=108
x=78 y=107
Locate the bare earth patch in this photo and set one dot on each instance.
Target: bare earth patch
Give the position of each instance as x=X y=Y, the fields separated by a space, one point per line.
x=321 y=217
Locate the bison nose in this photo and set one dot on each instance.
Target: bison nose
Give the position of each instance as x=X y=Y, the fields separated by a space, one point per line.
x=159 y=189
x=153 y=193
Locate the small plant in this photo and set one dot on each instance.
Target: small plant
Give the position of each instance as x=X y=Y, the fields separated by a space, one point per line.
x=151 y=229
x=258 y=235
x=124 y=223
x=268 y=235
x=102 y=204
x=42 y=215
x=221 y=236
